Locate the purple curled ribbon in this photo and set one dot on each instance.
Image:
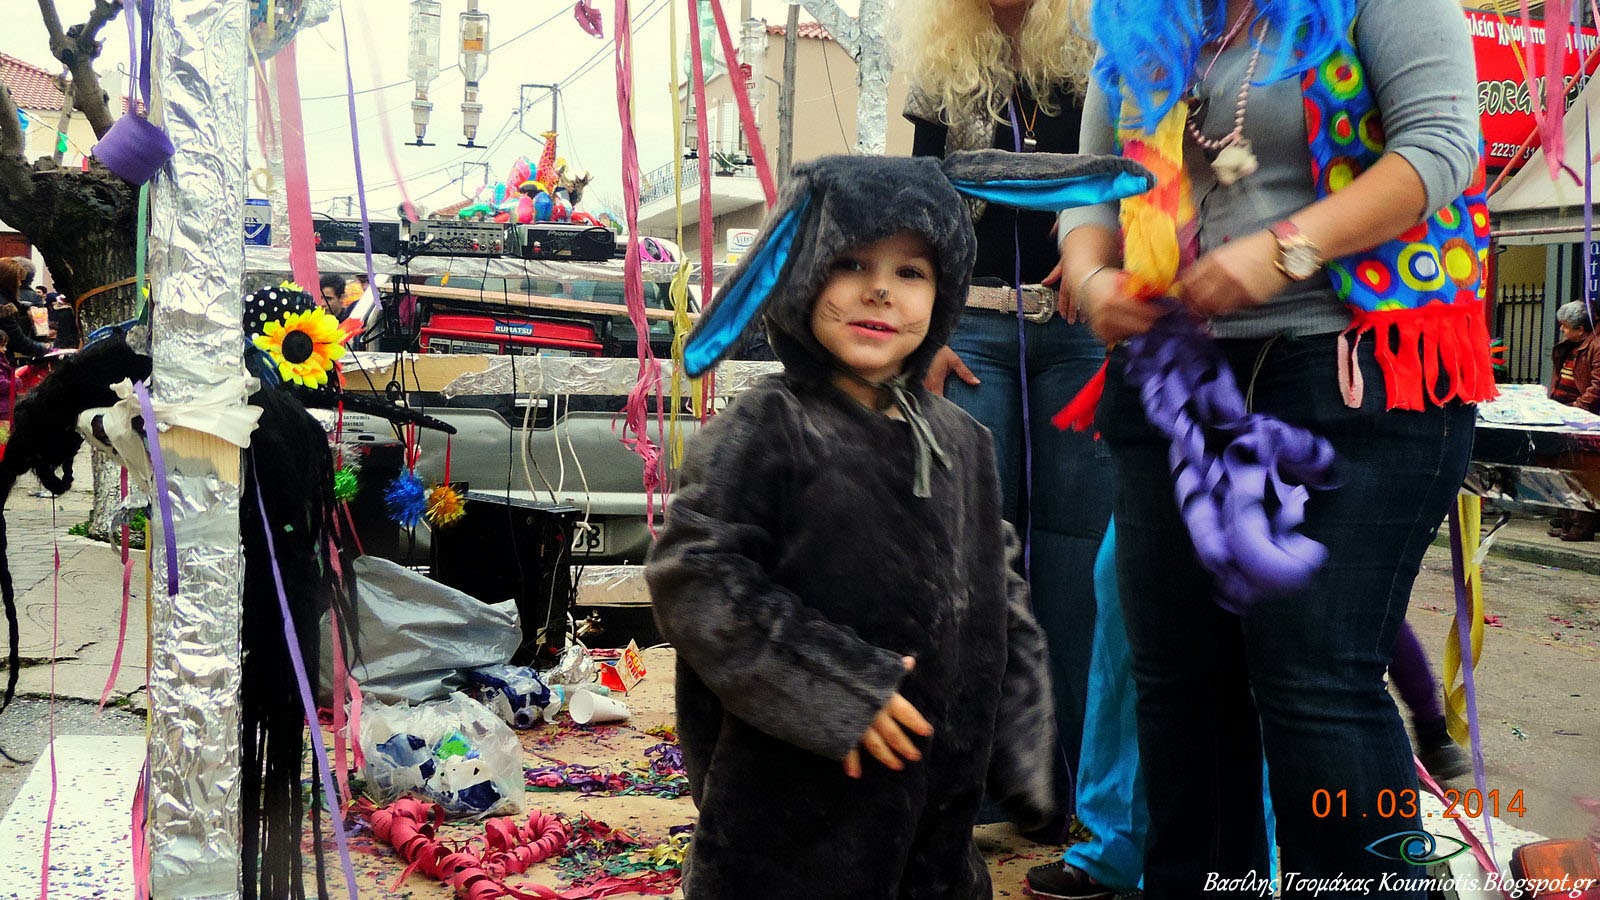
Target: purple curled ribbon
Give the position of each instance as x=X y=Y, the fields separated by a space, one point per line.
x=1241 y=479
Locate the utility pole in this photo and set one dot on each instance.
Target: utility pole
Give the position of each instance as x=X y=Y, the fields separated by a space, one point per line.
x=523 y=103
x=862 y=37
x=791 y=34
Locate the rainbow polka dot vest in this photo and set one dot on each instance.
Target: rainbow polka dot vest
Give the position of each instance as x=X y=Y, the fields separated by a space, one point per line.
x=1421 y=294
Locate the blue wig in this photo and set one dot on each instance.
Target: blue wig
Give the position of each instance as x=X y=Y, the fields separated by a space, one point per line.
x=1153 y=46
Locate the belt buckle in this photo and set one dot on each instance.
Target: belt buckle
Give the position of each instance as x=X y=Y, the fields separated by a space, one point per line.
x=1046 y=309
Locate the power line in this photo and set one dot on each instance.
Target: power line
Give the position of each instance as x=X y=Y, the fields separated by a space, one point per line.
x=454 y=68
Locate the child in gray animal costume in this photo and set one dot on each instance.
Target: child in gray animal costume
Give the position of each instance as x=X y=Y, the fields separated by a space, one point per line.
x=855 y=647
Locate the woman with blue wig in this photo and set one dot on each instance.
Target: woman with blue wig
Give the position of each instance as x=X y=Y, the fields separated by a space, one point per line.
x=1330 y=236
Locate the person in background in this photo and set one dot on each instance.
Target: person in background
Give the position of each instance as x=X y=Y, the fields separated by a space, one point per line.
x=1576 y=382
x=16 y=276
x=1316 y=138
x=333 y=294
x=66 y=335
x=1010 y=75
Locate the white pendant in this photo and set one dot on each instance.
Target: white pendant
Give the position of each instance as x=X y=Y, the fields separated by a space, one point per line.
x=1234 y=162
x=1029 y=142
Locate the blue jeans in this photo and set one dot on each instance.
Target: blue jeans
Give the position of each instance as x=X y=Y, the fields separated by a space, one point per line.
x=1299 y=676
x=1111 y=800
x=1065 y=518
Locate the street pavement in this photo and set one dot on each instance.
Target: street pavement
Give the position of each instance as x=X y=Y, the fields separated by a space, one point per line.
x=1540 y=705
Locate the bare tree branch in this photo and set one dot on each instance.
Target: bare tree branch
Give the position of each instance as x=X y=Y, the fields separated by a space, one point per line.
x=14 y=172
x=77 y=48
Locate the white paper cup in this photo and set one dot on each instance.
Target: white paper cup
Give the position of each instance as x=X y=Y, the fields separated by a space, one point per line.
x=589 y=708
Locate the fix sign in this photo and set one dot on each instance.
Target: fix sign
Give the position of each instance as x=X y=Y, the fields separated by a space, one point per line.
x=1504 y=107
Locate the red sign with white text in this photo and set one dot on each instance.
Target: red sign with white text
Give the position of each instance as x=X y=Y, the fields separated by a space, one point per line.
x=1504 y=106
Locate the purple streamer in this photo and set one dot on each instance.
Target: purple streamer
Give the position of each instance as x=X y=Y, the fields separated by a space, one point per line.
x=158 y=461
x=1022 y=359
x=1241 y=479
x=304 y=684
x=1588 y=214
x=355 y=146
x=1469 y=683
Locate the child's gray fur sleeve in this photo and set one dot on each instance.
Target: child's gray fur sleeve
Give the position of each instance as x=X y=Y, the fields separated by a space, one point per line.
x=1022 y=767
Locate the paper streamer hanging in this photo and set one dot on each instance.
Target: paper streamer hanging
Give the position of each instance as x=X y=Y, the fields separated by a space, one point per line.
x=747 y=115
x=1461 y=703
x=678 y=292
x=302 y=238
x=636 y=412
x=703 y=139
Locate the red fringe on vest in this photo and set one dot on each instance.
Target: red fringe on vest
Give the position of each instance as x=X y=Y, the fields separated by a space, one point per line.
x=1078 y=414
x=1421 y=350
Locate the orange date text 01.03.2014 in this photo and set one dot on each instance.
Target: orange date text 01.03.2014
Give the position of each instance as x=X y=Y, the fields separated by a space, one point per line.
x=1402 y=804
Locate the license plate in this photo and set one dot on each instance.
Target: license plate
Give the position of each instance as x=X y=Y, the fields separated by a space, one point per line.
x=589 y=539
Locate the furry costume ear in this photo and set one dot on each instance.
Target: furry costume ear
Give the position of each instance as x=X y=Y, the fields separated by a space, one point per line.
x=1047 y=182
x=741 y=301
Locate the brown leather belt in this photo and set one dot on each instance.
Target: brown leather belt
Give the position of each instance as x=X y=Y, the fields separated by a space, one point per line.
x=1038 y=301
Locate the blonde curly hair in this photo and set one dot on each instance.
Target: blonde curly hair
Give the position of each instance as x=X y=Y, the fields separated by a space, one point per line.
x=953 y=51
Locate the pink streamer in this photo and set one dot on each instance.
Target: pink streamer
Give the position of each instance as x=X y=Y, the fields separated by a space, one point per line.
x=127 y=591
x=741 y=93
x=141 y=848
x=341 y=679
x=383 y=121
x=55 y=643
x=302 y=241
x=637 y=428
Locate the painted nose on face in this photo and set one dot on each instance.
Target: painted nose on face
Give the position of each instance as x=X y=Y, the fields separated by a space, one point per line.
x=877 y=295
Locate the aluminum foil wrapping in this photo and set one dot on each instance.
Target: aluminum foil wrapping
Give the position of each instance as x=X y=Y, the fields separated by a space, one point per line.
x=600 y=376
x=872 y=72
x=196 y=260
x=613 y=586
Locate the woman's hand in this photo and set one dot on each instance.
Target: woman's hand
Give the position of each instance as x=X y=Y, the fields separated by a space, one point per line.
x=886 y=738
x=946 y=363
x=1103 y=301
x=1238 y=274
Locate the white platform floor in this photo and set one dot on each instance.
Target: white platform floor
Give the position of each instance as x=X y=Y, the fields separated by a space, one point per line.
x=90 y=848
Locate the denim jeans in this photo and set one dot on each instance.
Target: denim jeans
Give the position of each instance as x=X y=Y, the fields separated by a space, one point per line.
x=1065 y=518
x=1300 y=676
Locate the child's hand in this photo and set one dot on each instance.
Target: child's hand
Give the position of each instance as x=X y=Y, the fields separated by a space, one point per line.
x=886 y=737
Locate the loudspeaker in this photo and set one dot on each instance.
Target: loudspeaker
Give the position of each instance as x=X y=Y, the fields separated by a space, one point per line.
x=546 y=240
x=519 y=549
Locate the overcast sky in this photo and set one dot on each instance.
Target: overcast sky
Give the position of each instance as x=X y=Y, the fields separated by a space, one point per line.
x=556 y=52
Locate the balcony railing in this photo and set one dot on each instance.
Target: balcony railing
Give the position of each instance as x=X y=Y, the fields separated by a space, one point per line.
x=657 y=183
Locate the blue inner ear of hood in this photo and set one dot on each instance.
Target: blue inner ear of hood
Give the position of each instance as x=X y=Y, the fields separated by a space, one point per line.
x=741 y=301
x=1057 y=194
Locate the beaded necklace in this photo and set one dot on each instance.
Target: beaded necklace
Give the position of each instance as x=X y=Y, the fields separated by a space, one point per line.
x=1231 y=154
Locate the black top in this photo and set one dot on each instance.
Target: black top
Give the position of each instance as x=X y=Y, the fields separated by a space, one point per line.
x=996 y=230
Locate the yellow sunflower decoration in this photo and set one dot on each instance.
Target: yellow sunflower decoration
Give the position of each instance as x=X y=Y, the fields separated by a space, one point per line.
x=305 y=345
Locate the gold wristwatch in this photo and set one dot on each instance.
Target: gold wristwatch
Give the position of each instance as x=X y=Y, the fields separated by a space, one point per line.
x=1298 y=256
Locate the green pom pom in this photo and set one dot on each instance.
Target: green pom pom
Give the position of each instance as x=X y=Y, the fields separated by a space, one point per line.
x=345 y=485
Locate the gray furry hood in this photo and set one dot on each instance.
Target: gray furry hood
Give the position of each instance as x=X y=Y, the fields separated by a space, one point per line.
x=834 y=203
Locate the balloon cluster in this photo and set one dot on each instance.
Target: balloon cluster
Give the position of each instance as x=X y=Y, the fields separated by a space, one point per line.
x=549 y=192
x=1242 y=479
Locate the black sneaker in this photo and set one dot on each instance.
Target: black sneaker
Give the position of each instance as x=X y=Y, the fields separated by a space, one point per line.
x=1059 y=881
x=1442 y=757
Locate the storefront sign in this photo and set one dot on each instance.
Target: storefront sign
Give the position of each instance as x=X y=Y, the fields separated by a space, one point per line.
x=1504 y=106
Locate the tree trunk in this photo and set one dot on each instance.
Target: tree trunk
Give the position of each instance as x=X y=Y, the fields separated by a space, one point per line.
x=82 y=223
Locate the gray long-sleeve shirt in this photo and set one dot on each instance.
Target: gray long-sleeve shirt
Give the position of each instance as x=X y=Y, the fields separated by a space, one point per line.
x=1419 y=65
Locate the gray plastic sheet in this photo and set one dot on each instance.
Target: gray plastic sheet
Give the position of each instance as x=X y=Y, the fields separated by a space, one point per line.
x=419 y=638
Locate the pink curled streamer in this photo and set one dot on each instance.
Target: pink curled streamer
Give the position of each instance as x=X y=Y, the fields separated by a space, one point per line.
x=636 y=434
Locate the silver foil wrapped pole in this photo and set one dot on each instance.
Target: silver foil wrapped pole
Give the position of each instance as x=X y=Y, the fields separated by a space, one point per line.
x=197 y=264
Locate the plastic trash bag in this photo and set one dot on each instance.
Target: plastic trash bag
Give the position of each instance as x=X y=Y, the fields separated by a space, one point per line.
x=454 y=752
